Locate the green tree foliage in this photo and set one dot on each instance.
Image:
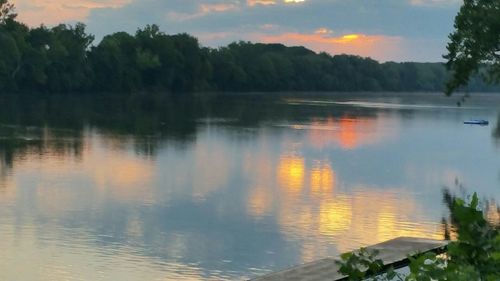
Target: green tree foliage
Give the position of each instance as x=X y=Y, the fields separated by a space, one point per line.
x=63 y=59
x=13 y=37
x=68 y=69
x=113 y=63
x=475 y=44
x=42 y=59
x=149 y=60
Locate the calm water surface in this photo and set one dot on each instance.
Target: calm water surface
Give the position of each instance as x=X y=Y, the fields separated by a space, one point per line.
x=228 y=188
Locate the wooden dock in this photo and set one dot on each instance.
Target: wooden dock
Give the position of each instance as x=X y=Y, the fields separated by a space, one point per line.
x=393 y=252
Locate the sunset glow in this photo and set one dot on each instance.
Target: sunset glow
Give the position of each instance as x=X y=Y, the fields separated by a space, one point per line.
x=350 y=37
x=219 y=140
x=291 y=172
x=348 y=133
x=322 y=178
x=376 y=46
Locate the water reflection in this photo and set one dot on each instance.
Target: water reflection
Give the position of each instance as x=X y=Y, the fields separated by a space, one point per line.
x=48 y=260
x=322 y=178
x=496 y=131
x=350 y=132
x=291 y=173
x=368 y=214
x=212 y=190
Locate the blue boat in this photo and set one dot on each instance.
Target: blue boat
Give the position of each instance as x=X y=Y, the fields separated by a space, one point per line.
x=477 y=122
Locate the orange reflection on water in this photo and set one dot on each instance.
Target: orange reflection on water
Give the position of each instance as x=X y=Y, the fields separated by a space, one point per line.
x=8 y=190
x=309 y=207
x=66 y=257
x=349 y=133
x=107 y=164
x=322 y=178
x=353 y=220
x=119 y=171
x=291 y=171
x=335 y=216
x=352 y=130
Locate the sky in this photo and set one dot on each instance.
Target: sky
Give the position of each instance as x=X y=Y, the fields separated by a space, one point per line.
x=386 y=30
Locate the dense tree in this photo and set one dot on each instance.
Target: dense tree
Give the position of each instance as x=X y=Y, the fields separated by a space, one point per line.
x=14 y=50
x=68 y=69
x=62 y=59
x=114 y=65
x=475 y=44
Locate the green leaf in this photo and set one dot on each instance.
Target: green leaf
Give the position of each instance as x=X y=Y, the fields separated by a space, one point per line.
x=475 y=201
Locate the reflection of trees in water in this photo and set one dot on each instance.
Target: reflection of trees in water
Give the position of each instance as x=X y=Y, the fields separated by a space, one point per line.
x=150 y=120
x=59 y=125
x=496 y=131
x=17 y=142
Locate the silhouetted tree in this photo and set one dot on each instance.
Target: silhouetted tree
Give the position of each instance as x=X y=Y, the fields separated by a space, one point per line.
x=475 y=43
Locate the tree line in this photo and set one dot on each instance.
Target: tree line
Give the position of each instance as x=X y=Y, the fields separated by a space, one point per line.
x=63 y=59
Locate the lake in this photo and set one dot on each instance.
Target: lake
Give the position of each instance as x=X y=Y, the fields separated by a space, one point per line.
x=230 y=187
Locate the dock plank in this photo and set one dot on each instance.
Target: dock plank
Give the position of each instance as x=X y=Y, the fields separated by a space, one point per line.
x=392 y=252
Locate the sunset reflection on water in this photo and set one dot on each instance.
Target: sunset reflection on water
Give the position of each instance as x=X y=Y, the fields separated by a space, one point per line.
x=313 y=202
x=232 y=201
x=309 y=206
x=350 y=132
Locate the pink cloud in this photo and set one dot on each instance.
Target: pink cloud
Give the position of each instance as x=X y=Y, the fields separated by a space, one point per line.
x=50 y=12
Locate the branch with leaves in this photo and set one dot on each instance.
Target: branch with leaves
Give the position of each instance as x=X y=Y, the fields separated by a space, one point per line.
x=474 y=46
x=7 y=11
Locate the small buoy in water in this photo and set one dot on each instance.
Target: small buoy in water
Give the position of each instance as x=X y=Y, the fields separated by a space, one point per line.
x=477 y=122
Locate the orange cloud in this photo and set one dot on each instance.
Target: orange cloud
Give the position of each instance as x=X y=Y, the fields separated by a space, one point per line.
x=50 y=12
x=380 y=47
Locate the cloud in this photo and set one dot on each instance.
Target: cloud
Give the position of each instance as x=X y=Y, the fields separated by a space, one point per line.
x=203 y=9
x=323 y=30
x=252 y=3
x=434 y=2
x=36 y=12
